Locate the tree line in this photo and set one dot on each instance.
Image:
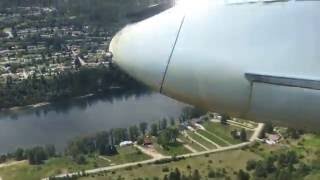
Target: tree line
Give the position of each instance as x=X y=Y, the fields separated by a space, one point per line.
x=35 y=155
x=106 y=142
x=64 y=85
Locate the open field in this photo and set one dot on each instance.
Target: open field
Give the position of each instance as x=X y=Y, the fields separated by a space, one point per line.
x=230 y=161
x=212 y=137
x=127 y=154
x=172 y=150
x=224 y=131
x=51 y=167
x=191 y=143
x=55 y=166
x=201 y=140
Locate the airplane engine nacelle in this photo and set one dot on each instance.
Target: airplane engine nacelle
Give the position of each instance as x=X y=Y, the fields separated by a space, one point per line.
x=253 y=60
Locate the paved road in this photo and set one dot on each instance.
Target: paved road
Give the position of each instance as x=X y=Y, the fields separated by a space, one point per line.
x=150 y=161
x=109 y=168
x=236 y=146
x=257 y=132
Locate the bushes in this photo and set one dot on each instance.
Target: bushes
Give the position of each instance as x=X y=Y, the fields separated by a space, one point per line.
x=80 y=159
x=3 y=158
x=35 y=155
x=251 y=164
x=167 y=160
x=242 y=175
x=165 y=169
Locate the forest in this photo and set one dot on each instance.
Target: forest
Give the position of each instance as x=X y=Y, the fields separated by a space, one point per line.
x=64 y=85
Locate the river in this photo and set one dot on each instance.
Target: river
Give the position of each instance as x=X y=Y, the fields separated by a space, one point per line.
x=58 y=123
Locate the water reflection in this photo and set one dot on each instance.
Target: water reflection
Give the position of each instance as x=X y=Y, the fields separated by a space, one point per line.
x=59 y=122
x=79 y=103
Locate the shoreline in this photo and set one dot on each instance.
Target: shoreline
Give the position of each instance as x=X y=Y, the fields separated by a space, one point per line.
x=45 y=103
x=16 y=108
x=40 y=104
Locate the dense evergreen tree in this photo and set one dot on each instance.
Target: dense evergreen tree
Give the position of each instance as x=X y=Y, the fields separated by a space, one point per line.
x=224 y=119
x=243 y=135
x=19 y=154
x=172 y=121
x=268 y=127
x=154 y=130
x=143 y=127
x=133 y=133
x=37 y=155
x=64 y=85
x=163 y=124
x=242 y=175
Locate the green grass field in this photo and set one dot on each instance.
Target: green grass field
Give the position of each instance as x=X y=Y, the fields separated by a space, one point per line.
x=56 y=166
x=201 y=140
x=127 y=154
x=312 y=141
x=51 y=167
x=191 y=143
x=172 y=150
x=212 y=137
x=223 y=131
x=230 y=160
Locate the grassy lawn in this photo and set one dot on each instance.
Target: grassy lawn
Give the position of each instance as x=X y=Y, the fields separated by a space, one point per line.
x=172 y=150
x=55 y=166
x=311 y=141
x=230 y=160
x=201 y=140
x=51 y=167
x=224 y=131
x=212 y=137
x=127 y=154
x=313 y=176
x=191 y=143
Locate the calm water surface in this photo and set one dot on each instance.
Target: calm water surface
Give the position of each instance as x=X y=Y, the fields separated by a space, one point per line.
x=58 y=123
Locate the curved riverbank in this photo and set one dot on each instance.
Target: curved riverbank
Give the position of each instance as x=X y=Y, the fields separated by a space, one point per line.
x=58 y=122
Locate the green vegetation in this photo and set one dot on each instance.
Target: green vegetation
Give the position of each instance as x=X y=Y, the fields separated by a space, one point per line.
x=223 y=164
x=201 y=140
x=51 y=167
x=259 y=161
x=64 y=85
x=191 y=143
x=64 y=164
x=223 y=131
x=212 y=137
x=127 y=154
x=173 y=149
x=191 y=112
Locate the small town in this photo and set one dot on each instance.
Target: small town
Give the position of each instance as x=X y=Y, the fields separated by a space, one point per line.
x=44 y=47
